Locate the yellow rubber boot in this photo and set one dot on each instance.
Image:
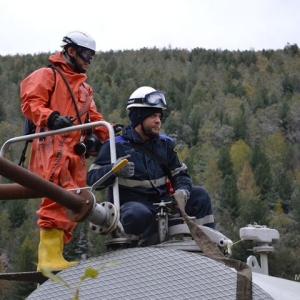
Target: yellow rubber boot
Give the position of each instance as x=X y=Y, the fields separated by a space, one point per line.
x=50 y=250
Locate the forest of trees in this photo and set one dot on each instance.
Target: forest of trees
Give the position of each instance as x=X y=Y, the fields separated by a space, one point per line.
x=235 y=116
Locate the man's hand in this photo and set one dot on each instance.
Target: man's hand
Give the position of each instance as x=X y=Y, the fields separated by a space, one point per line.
x=56 y=121
x=127 y=171
x=180 y=196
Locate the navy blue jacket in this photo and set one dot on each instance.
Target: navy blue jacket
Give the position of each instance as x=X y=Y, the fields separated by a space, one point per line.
x=149 y=180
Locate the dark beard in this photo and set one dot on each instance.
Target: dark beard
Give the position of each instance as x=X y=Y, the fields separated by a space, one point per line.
x=149 y=133
x=78 y=69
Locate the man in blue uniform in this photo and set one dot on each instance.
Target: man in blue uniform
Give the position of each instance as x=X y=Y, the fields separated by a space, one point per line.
x=153 y=159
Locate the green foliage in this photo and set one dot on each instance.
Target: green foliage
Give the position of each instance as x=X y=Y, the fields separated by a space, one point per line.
x=224 y=162
x=17 y=212
x=296 y=207
x=240 y=125
x=284 y=190
x=2 y=112
x=230 y=202
x=285 y=261
x=247 y=57
x=249 y=198
x=292 y=50
x=225 y=109
x=262 y=172
x=26 y=262
x=5 y=286
x=240 y=153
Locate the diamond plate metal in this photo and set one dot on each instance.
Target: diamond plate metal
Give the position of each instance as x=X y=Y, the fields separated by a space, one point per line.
x=149 y=273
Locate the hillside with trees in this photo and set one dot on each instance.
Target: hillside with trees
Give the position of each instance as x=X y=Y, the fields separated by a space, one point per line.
x=235 y=116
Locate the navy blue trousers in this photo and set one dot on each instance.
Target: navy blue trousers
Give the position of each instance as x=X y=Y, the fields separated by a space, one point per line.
x=139 y=217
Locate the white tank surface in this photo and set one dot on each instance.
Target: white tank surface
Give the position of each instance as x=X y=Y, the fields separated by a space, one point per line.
x=150 y=273
x=278 y=288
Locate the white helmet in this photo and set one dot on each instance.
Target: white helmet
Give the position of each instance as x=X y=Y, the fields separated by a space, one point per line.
x=147 y=96
x=80 y=39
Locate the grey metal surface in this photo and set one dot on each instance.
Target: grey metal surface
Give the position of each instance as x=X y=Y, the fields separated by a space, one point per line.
x=149 y=273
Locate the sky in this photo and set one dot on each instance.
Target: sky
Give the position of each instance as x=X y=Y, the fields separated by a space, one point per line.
x=35 y=26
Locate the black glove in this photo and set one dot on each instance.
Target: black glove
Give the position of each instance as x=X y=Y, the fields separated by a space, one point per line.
x=56 y=121
x=118 y=128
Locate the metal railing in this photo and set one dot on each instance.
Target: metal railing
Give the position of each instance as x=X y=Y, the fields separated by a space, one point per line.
x=29 y=137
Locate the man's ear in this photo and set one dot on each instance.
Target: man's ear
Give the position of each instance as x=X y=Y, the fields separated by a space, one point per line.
x=71 y=52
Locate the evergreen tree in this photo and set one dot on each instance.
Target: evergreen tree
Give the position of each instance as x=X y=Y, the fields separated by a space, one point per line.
x=2 y=112
x=284 y=190
x=224 y=162
x=228 y=211
x=240 y=125
x=230 y=200
x=26 y=263
x=262 y=172
x=17 y=212
x=296 y=207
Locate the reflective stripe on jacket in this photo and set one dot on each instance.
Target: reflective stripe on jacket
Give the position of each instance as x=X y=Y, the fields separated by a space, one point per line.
x=149 y=180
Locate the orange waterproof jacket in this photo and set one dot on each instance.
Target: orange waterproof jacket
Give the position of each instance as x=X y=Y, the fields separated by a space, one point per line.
x=53 y=157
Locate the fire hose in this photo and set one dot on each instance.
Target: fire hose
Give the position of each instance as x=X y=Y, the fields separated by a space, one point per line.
x=244 y=273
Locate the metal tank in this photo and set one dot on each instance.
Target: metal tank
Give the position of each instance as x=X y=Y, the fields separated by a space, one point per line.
x=149 y=273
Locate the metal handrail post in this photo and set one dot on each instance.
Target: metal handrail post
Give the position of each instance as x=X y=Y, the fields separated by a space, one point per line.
x=29 y=137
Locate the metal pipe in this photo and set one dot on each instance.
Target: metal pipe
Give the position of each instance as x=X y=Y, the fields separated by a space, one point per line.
x=15 y=191
x=40 y=186
x=112 y=144
x=80 y=203
x=264 y=263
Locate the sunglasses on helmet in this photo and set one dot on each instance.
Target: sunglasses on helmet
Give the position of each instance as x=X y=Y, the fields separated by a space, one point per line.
x=152 y=99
